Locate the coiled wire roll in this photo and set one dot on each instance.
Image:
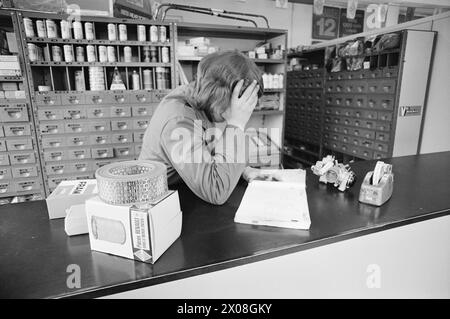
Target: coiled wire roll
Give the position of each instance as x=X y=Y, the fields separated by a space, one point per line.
x=132 y=182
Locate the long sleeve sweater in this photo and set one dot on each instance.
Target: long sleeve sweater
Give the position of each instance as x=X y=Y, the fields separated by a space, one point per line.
x=209 y=162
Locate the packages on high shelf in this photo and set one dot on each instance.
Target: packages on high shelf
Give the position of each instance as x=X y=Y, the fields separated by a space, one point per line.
x=9 y=65
x=266 y=51
x=195 y=47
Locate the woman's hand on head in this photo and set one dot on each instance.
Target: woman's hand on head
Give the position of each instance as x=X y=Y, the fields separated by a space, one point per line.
x=241 y=108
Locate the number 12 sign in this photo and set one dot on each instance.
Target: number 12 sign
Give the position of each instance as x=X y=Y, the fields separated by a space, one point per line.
x=326 y=26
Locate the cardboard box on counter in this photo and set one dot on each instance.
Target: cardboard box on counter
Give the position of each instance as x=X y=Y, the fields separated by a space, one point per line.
x=141 y=232
x=69 y=193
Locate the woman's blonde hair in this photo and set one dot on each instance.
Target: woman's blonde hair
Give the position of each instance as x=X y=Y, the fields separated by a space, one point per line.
x=217 y=75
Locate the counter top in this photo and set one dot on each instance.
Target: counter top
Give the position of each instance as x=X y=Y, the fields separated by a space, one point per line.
x=35 y=252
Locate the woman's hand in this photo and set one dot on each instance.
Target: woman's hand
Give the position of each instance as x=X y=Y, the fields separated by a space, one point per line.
x=241 y=108
x=251 y=174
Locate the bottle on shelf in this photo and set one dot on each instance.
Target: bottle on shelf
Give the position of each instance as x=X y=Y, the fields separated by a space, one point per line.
x=135 y=80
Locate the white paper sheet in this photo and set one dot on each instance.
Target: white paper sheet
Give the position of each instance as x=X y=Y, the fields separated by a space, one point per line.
x=279 y=204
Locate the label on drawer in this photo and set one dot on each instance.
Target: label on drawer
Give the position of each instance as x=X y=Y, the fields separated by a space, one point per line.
x=22 y=158
x=5 y=173
x=19 y=144
x=17 y=113
x=17 y=130
x=28 y=171
x=2 y=145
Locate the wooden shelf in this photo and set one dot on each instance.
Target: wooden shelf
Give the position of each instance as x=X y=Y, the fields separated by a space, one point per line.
x=268 y=112
x=258 y=61
x=5 y=78
x=273 y=90
x=105 y=64
x=37 y=40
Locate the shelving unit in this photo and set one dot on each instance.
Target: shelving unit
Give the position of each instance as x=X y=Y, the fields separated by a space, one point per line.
x=20 y=170
x=79 y=131
x=371 y=113
x=244 y=39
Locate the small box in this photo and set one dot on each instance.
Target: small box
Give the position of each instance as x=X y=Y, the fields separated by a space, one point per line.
x=141 y=232
x=69 y=193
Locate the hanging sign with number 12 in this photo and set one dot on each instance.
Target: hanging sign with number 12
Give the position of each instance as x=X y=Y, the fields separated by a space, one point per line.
x=326 y=25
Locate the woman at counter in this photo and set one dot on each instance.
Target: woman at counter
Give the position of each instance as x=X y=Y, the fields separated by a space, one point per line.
x=183 y=131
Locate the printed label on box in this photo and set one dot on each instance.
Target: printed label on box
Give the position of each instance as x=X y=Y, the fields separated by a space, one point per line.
x=139 y=223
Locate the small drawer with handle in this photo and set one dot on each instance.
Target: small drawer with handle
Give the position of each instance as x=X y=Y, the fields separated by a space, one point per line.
x=19 y=144
x=98 y=112
x=78 y=140
x=50 y=114
x=53 y=142
x=73 y=99
x=17 y=130
x=74 y=113
x=122 y=138
x=48 y=99
x=121 y=125
x=100 y=139
x=79 y=154
x=14 y=113
x=141 y=110
x=4 y=159
x=124 y=151
x=100 y=126
x=121 y=111
x=22 y=158
x=7 y=187
x=76 y=127
x=57 y=169
x=140 y=124
x=24 y=171
x=55 y=155
x=5 y=173
x=51 y=128
x=102 y=152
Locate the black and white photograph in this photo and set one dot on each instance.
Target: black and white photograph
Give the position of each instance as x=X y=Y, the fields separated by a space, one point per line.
x=224 y=156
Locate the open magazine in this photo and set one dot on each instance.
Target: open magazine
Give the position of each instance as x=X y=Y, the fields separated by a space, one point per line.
x=280 y=201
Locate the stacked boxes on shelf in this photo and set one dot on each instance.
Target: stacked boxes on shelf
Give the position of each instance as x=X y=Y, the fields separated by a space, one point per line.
x=94 y=88
x=20 y=174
